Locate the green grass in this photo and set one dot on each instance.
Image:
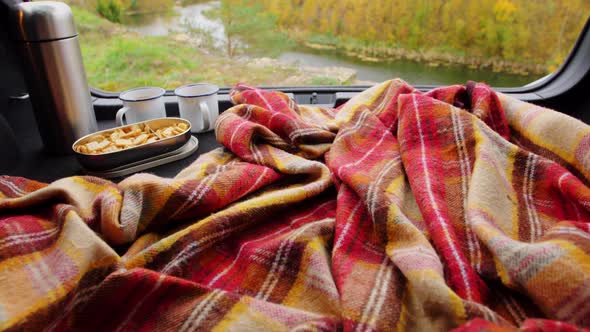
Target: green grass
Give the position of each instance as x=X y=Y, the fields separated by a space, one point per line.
x=87 y=21
x=323 y=39
x=322 y=80
x=126 y=62
x=117 y=59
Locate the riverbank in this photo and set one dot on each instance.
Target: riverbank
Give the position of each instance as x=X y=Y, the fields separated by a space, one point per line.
x=378 y=52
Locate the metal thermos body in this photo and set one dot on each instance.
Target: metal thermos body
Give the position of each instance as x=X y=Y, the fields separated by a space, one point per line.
x=55 y=76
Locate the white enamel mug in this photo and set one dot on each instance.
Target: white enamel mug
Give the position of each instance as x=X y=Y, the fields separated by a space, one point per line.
x=197 y=103
x=141 y=104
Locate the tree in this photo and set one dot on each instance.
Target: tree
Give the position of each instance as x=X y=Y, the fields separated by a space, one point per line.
x=251 y=30
x=109 y=9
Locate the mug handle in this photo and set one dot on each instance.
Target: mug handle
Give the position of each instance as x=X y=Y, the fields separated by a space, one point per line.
x=207 y=116
x=120 y=114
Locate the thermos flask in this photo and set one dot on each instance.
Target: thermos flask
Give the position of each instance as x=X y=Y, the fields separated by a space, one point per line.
x=52 y=62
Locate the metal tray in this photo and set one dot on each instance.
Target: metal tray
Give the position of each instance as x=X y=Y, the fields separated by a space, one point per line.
x=111 y=160
x=186 y=150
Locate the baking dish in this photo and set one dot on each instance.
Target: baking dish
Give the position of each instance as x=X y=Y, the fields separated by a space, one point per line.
x=109 y=160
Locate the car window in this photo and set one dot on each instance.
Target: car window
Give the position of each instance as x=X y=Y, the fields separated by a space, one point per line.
x=167 y=43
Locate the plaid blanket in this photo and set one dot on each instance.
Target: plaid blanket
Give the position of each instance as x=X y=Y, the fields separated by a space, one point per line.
x=457 y=208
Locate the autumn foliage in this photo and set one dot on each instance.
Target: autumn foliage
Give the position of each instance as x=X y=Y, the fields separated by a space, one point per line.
x=539 y=32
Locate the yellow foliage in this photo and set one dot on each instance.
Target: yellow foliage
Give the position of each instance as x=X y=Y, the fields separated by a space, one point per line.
x=504 y=11
x=531 y=31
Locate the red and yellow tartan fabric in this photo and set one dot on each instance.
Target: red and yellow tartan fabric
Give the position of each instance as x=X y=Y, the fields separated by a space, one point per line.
x=457 y=208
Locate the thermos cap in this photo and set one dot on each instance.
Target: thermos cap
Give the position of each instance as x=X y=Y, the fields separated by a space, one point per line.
x=42 y=21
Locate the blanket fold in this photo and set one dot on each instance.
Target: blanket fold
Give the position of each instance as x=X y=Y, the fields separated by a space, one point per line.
x=455 y=208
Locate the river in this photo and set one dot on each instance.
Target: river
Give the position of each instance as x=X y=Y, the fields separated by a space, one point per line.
x=411 y=71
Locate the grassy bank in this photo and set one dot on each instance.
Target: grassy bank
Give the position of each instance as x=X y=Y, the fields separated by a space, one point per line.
x=117 y=59
x=384 y=51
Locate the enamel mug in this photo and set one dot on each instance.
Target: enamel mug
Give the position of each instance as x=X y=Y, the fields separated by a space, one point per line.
x=197 y=103
x=141 y=104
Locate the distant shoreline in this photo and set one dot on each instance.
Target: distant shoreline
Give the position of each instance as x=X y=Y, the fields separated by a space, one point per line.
x=430 y=58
